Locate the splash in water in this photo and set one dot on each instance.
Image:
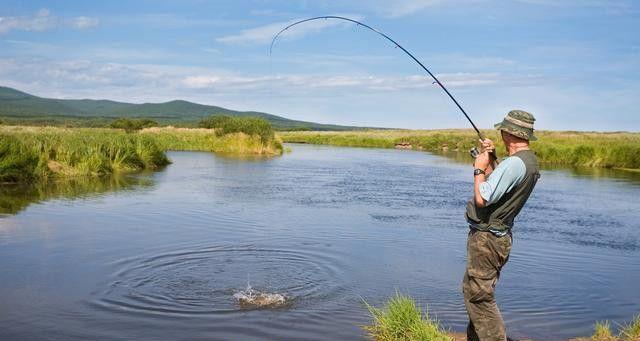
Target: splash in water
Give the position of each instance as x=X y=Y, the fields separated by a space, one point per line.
x=251 y=298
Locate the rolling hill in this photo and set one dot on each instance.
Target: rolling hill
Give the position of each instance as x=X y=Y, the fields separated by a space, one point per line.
x=21 y=107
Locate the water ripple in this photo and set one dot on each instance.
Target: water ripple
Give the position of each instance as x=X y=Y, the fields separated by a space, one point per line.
x=202 y=281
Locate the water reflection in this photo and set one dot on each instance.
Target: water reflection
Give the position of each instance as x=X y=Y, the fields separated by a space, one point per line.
x=16 y=197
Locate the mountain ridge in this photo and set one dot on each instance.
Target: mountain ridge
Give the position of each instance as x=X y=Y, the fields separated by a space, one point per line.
x=16 y=105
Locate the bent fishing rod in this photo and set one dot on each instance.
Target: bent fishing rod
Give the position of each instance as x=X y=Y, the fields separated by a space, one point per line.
x=358 y=23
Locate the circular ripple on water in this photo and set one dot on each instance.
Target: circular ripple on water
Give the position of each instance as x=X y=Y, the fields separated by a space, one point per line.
x=203 y=281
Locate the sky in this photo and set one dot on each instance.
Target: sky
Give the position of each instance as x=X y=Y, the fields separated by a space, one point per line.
x=574 y=64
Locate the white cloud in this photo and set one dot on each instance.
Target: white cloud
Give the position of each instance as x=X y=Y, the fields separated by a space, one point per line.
x=136 y=82
x=264 y=34
x=42 y=21
x=84 y=22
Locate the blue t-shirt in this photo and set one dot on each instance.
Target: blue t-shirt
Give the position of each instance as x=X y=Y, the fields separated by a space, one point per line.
x=509 y=174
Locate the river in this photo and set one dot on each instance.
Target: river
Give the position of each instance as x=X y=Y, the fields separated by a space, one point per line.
x=160 y=255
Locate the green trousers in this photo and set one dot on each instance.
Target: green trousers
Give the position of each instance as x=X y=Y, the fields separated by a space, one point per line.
x=486 y=255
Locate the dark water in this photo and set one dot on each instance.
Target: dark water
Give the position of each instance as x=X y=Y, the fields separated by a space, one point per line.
x=159 y=256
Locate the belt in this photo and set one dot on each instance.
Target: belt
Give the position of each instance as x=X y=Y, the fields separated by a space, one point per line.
x=497 y=233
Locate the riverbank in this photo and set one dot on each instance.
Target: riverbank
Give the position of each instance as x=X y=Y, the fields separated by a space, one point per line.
x=618 y=150
x=41 y=153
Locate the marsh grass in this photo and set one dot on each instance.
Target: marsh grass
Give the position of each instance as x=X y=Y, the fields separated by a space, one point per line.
x=402 y=320
x=29 y=153
x=17 y=161
x=170 y=138
x=631 y=331
x=609 y=150
x=602 y=331
x=251 y=126
x=42 y=153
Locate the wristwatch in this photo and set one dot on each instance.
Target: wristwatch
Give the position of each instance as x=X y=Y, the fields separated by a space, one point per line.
x=478 y=171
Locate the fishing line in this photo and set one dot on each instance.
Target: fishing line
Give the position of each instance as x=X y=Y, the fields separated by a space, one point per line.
x=396 y=45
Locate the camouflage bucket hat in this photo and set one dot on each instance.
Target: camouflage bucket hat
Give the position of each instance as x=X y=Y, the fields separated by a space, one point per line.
x=518 y=123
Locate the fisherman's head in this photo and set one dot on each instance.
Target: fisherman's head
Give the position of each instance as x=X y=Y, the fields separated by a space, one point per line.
x=517 y=127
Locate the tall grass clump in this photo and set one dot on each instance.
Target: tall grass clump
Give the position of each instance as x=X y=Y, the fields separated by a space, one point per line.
x=224 y=125
x=628 y=332
x=631 y=331
x=17 y=162
x=401 y=320
x=169 y=138
x=602 y=332
x=60 y=152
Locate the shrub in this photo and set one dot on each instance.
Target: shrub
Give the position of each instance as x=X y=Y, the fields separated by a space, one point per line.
x=130 y=125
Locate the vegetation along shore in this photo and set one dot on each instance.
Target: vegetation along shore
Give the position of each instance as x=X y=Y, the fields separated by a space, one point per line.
x=619 y=150
x=401 y=319
x=42 y=153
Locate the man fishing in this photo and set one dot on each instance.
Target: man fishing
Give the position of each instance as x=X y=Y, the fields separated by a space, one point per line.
x=499 y=193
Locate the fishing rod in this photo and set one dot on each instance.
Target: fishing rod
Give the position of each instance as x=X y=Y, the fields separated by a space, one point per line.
x=474 y=151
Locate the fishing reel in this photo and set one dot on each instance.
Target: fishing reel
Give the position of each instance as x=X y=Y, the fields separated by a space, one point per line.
x=474 y=152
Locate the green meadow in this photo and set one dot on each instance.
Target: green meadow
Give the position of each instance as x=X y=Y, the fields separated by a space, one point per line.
x=619 y=150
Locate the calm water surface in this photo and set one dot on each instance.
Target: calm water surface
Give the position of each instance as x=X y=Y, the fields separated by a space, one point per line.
x=159 y=256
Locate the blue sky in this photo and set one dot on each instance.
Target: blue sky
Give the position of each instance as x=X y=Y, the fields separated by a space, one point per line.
x=574 y=64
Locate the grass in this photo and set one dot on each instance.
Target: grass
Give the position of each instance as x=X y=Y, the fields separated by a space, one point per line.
x=225 y=125
x=18 y=163
x=402 y=320
x=628 y=332
x=609 y=150
x=41 y=153
x=169 y=138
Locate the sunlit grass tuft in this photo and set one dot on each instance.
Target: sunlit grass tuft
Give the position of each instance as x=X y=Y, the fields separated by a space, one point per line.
x=602 y=332
x=401 y=320
x=631 y=331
